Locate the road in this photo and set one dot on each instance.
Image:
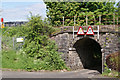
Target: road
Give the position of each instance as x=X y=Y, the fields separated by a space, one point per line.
x=84 y=73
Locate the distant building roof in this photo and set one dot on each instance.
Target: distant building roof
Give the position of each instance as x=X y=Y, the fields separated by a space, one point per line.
x=15 y=23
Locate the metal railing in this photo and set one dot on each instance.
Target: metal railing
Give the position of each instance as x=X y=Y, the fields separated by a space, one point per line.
x=107 y=19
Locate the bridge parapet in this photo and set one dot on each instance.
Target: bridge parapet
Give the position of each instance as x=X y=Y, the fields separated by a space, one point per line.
x=102 y=28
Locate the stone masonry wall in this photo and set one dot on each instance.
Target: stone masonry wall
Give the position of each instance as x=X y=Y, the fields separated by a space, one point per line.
x=71 y=58
x=108 y=41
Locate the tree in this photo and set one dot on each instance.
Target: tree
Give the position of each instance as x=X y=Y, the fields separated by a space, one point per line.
x=56 y=11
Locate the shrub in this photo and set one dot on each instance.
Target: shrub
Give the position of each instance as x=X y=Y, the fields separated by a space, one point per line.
x=113 y=62
x=38 y=52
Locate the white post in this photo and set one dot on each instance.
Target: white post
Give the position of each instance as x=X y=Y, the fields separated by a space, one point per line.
x=86 y=20
x=73 y=27
x=14 y=43
x=99 y=19
x=0 y=44
x=73 y=32
x=102 y=62
x=1 y=56
x=98 y=31
x=63 y=21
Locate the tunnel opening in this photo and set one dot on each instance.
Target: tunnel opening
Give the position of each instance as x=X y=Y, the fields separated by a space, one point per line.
x=90 y=53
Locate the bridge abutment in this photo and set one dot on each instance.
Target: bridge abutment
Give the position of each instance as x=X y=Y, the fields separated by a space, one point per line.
x=108 y=42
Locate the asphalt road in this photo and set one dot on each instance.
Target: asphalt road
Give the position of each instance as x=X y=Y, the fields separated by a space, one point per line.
x=84 y=73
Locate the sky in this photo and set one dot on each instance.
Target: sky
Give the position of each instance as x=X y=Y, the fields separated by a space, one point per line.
x=19 y=10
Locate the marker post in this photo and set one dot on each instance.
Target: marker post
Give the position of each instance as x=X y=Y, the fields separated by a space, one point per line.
x=2 y=21
x=2 y=26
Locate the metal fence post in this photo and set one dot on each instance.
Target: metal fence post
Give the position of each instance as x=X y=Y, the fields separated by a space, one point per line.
x=0 y=56
x=94 y=19
x=73 y=27
x=0 y=43
x=86 y=20
x=99 y=19
x=98 y=31
x=117 y=20
x=13 y=43
x=63 y=21
x=114 y=19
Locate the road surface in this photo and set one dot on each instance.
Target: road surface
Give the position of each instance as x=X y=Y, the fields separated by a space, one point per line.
x=84 y=73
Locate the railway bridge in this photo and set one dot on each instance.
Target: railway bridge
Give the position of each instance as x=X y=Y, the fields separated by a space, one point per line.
x=87 y=51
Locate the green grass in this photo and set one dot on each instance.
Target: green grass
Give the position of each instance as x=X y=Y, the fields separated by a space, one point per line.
x=111 y=73
x=14 y=60
x=11 y=60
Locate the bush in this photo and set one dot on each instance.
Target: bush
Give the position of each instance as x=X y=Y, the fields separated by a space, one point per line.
x=113 y=62
x=38 y=52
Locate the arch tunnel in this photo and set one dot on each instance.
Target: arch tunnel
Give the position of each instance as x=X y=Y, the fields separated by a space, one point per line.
x=90 y=53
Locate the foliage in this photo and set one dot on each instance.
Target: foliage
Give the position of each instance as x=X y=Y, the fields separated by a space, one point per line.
x=118 y=9
x=56 y=11
x=39 y=52
x=15 y=31
x=7 y=43
x=13 y=60
x=25 y=30
x=110 y=73
x=107 y=70
x=112 y=66
x=112 y=61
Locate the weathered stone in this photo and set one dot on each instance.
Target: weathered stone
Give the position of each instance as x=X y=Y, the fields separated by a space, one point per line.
x=108 y=42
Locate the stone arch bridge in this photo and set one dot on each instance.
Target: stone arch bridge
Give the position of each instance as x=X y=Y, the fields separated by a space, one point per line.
x=80 y=52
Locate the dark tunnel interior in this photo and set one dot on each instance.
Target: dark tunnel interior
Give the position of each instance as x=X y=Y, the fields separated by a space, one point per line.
x=90 y=53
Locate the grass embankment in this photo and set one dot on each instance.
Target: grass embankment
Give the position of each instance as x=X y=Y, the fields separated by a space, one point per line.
x=38 y=51
x=12 y=60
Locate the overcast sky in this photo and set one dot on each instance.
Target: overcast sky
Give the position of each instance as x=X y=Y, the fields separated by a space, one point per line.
x=19 y=10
